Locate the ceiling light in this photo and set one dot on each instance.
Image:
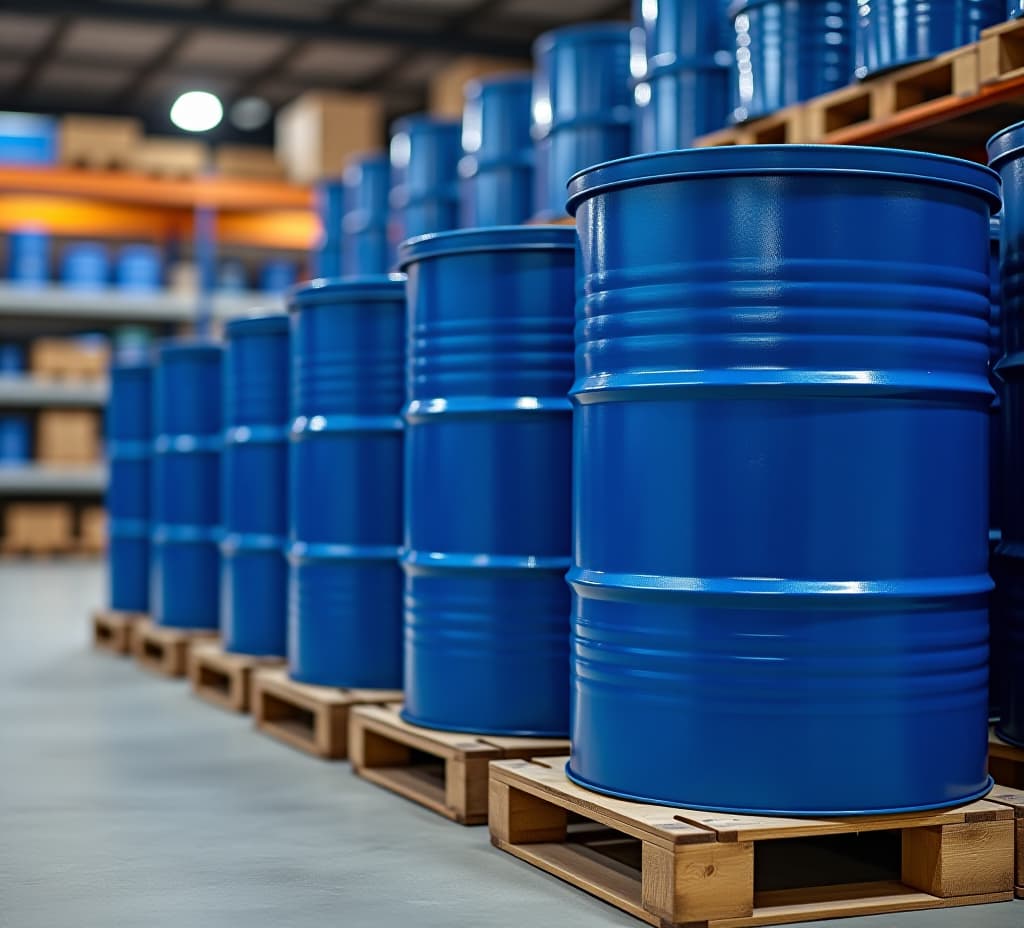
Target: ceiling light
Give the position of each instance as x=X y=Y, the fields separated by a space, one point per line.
x=196 y=111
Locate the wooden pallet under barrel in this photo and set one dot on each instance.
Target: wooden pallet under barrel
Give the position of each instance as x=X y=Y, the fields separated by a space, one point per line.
x=112 y=630
x=164 y=650
x=1014 y=799
x=313 y=719
x=445 y=771
x=223 y=678
x=1005 y=762
x=679 y=866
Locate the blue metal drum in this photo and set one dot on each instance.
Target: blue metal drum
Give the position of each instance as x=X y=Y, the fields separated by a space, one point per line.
x=129 y=439
x=424 y=193
x=254 y=573
x=28 y=257
x=788 y=51
x=345 y=600
x=582 y=106
x=330 y=200
x=893 y=33
x=1006 y=155
x=781 y=366
x=15 y=439
x=487 y=480
x=186 y=517
x=1014 y=8
x=364 y=243
x=496 y=170
x=85 y=266
x=682 y=69
x=12 y=358
x=995 y=457
x=139 y=269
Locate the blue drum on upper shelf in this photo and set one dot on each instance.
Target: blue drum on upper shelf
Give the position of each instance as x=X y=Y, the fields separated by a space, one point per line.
x=186 y=516
x=15 y=439
x=345 y=601
x=781 y=366
x=85 y=266
x=129 y=438
x=364 y=224
x=424 y=195
x=254 y=578
x=487 y=479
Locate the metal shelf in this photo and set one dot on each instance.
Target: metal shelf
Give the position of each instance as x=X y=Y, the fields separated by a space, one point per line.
x=35 y=480
x=18 y=390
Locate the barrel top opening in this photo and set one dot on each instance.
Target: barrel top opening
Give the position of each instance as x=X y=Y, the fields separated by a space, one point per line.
x=493 y=238
x=260 y=323
x=776 y=160
x=329 y=289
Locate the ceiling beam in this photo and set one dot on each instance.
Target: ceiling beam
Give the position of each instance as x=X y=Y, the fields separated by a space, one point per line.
x=42 y=55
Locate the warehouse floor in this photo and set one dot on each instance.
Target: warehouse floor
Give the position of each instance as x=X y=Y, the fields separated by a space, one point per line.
x=125 y=801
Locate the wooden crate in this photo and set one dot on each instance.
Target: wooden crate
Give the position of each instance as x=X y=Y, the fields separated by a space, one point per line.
x=445 y=771
x=680 y=866
x=252 y=162
x=92 y=530
x=38 y=528
x=1014 y=799
x=98 y=141
x=68 y=437
x=1001 y=52
x=784 y=127
x=170 y=157
x=223 y=678
x=165 y=650
x=112 y=630
x=67 y=359
x=310 y=718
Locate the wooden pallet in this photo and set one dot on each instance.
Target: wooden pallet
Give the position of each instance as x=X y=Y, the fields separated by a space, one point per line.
x=1014 y=799
x=1005 y=762
x=784 y=127
x=679 y=866
x=112 y=630
x=165 y=650
x=223 y=678
x=313 y=719
x=1001 y=52
x=445 y=771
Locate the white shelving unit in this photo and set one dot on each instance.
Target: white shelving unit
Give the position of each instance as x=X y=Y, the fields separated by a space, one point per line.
x=21 y=390
x=35 y=480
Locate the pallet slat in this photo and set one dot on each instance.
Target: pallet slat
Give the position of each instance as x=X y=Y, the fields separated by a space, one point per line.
x=112 y=630
x=223 y=678
x=1001 y=52
x=164 y=650
x=699 y=868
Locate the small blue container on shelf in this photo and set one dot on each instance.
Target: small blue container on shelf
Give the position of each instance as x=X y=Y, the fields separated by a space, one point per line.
x=496 y=169
x=894 y=33
x=28 y=257
x=424 y=196
x=27 y=139
x=15 y=439
x=364 y=225
x=231 y=277
x=139 y=269
x=85 y=266
x=254 y=573
x=12 y=358
x=277 y=276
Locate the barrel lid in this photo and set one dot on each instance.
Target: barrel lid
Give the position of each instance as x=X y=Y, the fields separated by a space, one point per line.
x=739 y=160
x=1006 y=143
x=257 y=324
x=581 y=33
x=492 y=238
x=189 y=346
x=341 y=289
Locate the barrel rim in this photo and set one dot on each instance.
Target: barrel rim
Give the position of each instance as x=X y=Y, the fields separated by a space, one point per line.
x=268 y=322
x=187 y=345
x=141 y=365
x=364 y=287
x=490 y=238
x=476 y=85
x=425 y=119
x=617 y=30
x=1005 y=144
x=739 y=160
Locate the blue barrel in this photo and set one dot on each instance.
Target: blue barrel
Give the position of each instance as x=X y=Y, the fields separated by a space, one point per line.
x=187 y=425
x=28 y=257
x=15 y=439
x=232 y=278
x=893 y=33
x=496 y=170
x=129 y=441
x=277 y=276
x=424 y=193
x=345 y=600
x=1014 y=8
x=364 y=225
x=254 y=573
x=487 y=480
x=12 y=358
x=683 y=85
x=139 y=269
x=85 y=266
x=995 y=458
x=582 y=106
x=330 y=196
x=788 y=51
x=765 y=419
x=1006 y=155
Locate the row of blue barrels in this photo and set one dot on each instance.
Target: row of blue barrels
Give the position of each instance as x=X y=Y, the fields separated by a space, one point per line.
x=83 y=265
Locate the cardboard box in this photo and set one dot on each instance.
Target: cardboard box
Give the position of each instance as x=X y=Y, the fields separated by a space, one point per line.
x=253 y=162
x=68 y=437
x=38 y=527
x=317 y=132
x=92 y=529
x=68 y=358
x=98 y=141
x=447 y=86
x=170 y=157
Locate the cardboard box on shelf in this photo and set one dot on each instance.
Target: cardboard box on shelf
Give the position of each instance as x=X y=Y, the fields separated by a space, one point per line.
x=448 y=84
x=98 y=141
x=92 y=529
x=183 y=278
x=319 y=130
x=68 y=437
x=68 y=358
x=38 y=528
x=170 y=157
x=253 y=162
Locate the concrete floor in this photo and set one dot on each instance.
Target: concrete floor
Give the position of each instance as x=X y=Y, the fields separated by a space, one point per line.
x=125 y=802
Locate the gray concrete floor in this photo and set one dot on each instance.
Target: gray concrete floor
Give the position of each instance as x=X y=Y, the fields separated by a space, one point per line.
x=126 y=802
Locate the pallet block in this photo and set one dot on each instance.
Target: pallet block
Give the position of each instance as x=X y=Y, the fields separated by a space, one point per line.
x=313 y=719
x=1005 y=762
x=165 y=650
x=112 y=630
x=784 y=127
x=445 y=771
x=223 y=678
x=1014 y=799
x=1001 y=52
x=679 y=866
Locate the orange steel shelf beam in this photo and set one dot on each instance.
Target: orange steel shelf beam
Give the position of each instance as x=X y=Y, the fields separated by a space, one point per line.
x=80 y=218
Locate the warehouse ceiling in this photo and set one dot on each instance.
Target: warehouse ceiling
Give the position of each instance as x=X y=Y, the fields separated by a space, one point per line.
x=135 y=56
